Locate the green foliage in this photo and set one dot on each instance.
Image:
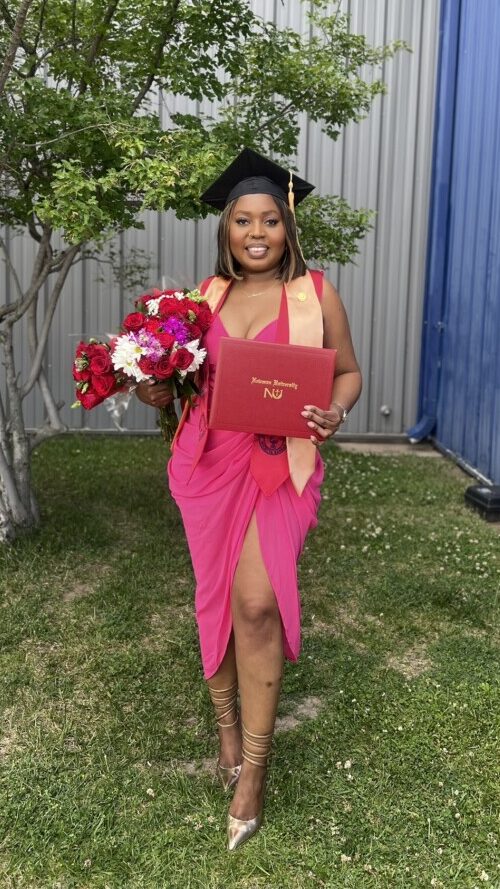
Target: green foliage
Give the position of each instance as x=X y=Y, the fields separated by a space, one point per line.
x=330 y=228
x=83 y=148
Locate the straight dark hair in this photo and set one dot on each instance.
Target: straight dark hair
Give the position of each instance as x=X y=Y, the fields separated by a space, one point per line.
x=292 y=263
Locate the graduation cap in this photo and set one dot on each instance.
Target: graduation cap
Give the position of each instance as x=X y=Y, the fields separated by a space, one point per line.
x=251 y=173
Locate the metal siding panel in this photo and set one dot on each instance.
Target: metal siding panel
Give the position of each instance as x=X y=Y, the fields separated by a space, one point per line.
x=428 y=51
x=382 y=290
x=397 y=197
x=360 y=146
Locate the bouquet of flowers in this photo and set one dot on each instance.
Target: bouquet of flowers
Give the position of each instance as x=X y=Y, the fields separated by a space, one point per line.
x=160 y=341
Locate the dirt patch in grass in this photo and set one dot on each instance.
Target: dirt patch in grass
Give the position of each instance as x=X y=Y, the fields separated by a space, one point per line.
x=164 y=625
x=77 y=591
x=9 y=738
x=196 y=768
x=307 y=708
x=411 y=663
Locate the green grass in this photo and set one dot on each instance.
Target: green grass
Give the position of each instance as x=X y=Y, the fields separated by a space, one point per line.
x=394 y=779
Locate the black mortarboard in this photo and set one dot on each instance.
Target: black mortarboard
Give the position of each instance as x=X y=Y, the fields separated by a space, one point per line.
x=251 y=173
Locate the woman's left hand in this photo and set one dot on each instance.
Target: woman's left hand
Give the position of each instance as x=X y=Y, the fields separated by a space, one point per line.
x=324 y=423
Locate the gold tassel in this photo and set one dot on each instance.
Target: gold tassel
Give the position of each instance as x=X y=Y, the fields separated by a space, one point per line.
x=291 y=204
x=291 y=196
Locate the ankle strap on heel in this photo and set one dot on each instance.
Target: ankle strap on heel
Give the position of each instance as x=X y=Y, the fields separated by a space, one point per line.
x=256 y=748
x=224 y=701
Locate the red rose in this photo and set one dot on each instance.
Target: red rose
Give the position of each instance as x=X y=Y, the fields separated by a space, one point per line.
x=81 y=350
x=163 y=368
x=134 y=321
x=152 y=325
x=168 y=307
x=89 y=400
x=165 y=339
x=80 y=375
x=181 y=358
x=104 y=384
x=194 y=332
x=147 y=365
x=204 y=317
x=100 y=363
x=183 y=306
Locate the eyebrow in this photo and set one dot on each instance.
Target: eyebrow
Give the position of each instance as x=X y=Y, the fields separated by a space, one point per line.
x=263 y=213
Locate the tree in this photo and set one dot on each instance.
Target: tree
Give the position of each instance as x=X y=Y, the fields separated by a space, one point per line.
x=83 y=154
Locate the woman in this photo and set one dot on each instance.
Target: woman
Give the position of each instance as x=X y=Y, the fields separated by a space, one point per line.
x=245 y=514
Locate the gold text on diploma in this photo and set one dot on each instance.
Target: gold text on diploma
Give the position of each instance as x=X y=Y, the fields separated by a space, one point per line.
x=282 y=384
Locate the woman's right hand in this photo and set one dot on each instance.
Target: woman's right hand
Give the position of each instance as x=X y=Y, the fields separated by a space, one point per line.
x=154 y=394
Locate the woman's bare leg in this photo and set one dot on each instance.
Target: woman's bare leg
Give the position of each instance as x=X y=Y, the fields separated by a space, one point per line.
x=229 y=731
x=259 y=660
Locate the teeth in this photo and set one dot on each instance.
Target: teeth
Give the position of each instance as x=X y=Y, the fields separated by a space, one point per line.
x=257 y=251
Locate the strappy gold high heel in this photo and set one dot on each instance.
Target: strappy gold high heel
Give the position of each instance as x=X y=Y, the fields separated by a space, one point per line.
x=224 y=701
x=255 y=749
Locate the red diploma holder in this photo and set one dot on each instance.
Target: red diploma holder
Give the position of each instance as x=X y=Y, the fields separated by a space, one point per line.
x=263 y=387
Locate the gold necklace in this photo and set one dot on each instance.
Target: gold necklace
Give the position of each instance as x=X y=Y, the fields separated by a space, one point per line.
x=260 y=292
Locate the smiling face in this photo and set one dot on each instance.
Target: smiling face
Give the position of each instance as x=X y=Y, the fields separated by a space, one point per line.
x=257 y=233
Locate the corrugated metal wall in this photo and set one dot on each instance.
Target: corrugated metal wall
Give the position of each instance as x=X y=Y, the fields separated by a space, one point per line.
x=383 y=163
x=461 y=358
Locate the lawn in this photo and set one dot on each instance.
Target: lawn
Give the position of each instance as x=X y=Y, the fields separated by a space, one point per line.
x=385 y=771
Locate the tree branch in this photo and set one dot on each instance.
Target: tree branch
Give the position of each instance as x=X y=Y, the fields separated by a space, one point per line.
x=15 y=41
x=41 y=269
x=165 y=34
x=54 y=296
x=33 y=68
x=99 y=37
x=11 y=268
x=4 y=433
x=54 y=419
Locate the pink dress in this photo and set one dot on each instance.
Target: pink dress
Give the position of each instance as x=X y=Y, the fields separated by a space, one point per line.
x=217 y=503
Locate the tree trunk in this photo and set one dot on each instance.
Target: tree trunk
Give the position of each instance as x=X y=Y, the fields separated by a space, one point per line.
x=17 y=507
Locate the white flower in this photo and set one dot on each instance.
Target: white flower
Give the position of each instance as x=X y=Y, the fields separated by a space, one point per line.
x=199 y=355
x=345 y=859
x=153 y=305
x=348 y=764
x=126 y=354
x=150 y=791
x=484 y=876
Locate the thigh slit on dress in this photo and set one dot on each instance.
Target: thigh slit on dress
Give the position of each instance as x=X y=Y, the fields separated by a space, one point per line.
x=217 y=502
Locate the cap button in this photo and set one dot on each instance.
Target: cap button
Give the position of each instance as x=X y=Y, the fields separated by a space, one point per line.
x=302 y=296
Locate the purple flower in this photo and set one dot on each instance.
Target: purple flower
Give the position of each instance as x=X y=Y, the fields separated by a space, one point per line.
x=178 y=329
x=148 y=342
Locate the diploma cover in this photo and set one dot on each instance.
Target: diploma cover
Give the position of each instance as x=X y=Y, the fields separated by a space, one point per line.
x=263 y=387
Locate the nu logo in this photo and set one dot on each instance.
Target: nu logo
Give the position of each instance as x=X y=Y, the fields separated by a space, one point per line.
x=273 y=393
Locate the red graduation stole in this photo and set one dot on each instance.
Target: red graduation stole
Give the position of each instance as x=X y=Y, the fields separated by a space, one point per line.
x=305 y=328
